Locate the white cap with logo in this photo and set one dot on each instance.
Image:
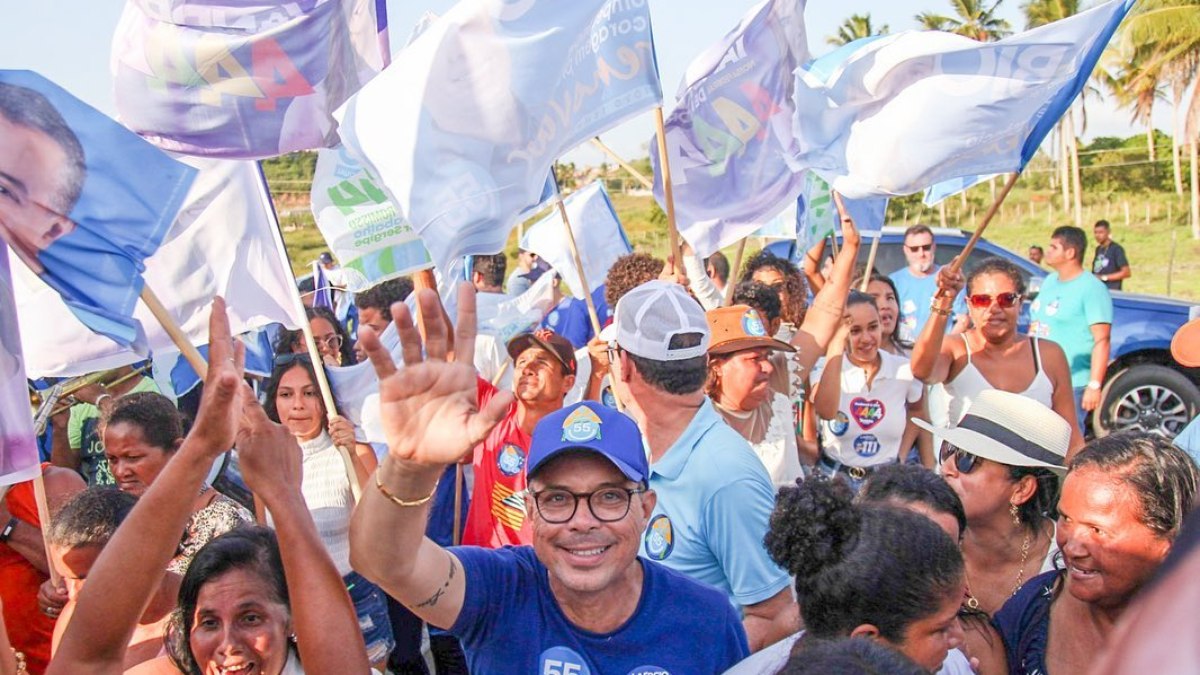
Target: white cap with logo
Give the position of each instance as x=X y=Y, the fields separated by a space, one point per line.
x=649 y=316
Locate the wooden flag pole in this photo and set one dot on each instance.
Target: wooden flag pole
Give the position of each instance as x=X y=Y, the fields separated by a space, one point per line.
x=737 y=262
x=987 y=218
x=310 y=342
x=664 y=166
x=43 y=511
x=587 y=295
x=646 y=182
x=871 y=262
x=189 y=351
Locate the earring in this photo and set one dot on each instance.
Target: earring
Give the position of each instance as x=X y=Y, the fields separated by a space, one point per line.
x=1016 y=515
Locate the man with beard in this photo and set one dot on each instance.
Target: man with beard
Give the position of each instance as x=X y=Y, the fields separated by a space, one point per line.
x=543 y=372
x=917 y=283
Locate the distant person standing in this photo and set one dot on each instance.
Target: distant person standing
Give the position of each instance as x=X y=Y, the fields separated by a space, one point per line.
x=717 y=268
x=1109 y=263
x=1036 y=253
x=1075 y=310
x=917 y=283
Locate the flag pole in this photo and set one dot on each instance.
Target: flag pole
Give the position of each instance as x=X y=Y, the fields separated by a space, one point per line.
x=871 y=261
x=189 y=351
x=668 y=196
x=737 y=262
x=987 y=218
x=43 y=511
x=646 y=182
x=310 y=342
x=587 y=289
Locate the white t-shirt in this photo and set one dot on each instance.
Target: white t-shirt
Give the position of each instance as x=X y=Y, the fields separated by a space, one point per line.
x=771 y=432
x=870 y=422
x=772 y=659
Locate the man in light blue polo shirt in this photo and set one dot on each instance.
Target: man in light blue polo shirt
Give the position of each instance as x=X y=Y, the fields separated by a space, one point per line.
x=1074 y=309
x=714 y=495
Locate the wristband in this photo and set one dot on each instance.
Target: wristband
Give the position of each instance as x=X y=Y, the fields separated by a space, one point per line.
x=100 y=398
x=1094 y=385
x=6 y=533
x=939 y=310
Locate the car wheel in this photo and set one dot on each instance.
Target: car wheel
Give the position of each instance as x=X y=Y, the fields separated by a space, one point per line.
x=1149 y=398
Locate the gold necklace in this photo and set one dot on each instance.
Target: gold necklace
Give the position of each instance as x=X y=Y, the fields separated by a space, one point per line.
x=1026 y=545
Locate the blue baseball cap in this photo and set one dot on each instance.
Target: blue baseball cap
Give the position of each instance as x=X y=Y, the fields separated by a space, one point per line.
x=589 y=425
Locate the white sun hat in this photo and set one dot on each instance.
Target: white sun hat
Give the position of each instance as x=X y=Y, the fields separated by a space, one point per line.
x=1009 y=429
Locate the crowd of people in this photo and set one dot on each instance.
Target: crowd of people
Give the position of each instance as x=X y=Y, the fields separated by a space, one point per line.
x=777 y=469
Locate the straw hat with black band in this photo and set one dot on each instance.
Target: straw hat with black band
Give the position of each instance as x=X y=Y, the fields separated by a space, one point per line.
x=1009 y=429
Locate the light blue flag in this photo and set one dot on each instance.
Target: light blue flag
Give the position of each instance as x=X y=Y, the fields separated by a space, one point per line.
x=598 y=235
x=817 y=216
x=464 y=125
x=729 y=138
x=83 y=201
x=894 y=115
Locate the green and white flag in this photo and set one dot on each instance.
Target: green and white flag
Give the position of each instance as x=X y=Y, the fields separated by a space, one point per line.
x=368 y=236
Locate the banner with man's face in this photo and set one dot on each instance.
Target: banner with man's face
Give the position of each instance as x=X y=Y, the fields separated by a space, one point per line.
x=83 y=200
x=18 y=449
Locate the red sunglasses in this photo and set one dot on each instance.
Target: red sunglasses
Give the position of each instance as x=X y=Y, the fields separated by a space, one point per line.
x=983 y=300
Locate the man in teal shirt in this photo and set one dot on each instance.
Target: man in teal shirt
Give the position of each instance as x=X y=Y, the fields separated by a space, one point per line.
x=1074 y=309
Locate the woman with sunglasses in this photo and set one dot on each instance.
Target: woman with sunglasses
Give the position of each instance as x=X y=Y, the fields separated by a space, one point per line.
x=991 y=354
x=332 y=340
x=1003 y=459
x=1123 y=504
x=293 y=399
x=864 y=398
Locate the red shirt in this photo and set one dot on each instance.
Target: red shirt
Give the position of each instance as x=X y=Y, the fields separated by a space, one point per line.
x=29 y=630
x=497 y=514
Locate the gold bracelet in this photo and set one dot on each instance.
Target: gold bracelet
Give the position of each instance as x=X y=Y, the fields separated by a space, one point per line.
x=400 y=502
x=942 y=311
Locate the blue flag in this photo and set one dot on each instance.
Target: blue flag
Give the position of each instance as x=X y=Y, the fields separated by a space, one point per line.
x=598 y=236
x=729 y=138
x=462 y=128
x=84 y=201
x=896 y=114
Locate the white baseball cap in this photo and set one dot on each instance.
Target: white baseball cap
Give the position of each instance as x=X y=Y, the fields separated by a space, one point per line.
x=1009 y=429
x=650 y=316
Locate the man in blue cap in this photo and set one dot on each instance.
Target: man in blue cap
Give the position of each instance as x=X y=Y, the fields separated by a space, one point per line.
x=580 y=600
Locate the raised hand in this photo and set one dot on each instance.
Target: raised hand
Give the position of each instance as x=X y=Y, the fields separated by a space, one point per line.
x=949 y=281
x=850 y=236
x=430 y=407
x=220 y=407
x=269 y=456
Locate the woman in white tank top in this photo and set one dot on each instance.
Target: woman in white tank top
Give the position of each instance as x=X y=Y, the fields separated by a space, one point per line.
x=991 y=354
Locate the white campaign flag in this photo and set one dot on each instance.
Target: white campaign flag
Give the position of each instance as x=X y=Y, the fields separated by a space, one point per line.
x=896 y=114
x=598 y=235
x=224 y=241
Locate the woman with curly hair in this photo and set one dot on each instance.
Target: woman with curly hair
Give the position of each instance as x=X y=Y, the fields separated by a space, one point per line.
x=865 y=571
x=782 y=276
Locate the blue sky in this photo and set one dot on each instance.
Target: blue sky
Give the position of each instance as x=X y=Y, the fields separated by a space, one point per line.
x=68 y=41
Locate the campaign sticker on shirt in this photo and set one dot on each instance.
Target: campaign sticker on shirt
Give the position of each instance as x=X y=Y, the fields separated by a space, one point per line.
x=866 y=445
x=867 y=412
x=510 y=460
x=660 y=538
x=649 y=670
x=838 y=425
x=581 y=426
x=562 y=661
x=1052 y=308
x=1100 y=263
x=753 y=325
x=608 y=398
x=552 y=319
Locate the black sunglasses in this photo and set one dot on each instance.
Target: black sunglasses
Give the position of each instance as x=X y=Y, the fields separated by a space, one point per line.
x=964 y=462
x=918 y=247
x=288 y=358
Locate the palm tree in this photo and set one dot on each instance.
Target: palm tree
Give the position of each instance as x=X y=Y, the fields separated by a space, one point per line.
x=972 y=18
x=1170 y=29
x=856 y=27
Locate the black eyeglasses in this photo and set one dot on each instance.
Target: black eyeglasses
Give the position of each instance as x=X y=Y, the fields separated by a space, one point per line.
x=288 y=358
x=607 y=505
x=919 y=247
x=964 y=462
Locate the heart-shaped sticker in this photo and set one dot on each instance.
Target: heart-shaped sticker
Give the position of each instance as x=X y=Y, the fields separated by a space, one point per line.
x=867 y=412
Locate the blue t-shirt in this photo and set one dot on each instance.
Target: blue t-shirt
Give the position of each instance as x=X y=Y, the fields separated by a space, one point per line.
x=714 y=502
x=914 y=294
x=1064 y=311
x=570 y=318
x=1188 y=440
x=511 y=623
x=1024 y=624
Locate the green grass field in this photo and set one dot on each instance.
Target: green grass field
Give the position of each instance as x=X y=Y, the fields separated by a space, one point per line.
x=1156 y=237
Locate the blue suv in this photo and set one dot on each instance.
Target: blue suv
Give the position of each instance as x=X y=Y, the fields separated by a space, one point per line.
x=1145 y=388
